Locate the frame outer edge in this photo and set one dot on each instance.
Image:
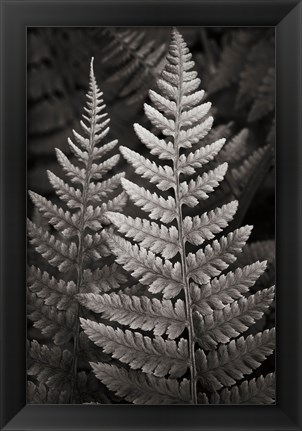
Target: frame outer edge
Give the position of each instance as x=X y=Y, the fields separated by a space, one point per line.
x=3 y=403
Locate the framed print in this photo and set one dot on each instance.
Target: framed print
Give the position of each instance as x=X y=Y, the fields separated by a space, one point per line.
x=150 y=262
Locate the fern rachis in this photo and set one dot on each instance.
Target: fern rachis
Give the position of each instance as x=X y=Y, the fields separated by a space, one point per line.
x=184 y=269
x=191 y=292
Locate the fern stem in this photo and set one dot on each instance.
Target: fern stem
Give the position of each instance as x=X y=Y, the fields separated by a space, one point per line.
x=80 y=259
x=80 y=256
x=188 y=302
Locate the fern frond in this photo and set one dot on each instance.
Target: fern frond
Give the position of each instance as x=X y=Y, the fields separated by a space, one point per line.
x=182 y=296
x=139 y=312
x=80 y=243
x=155 y=355
x=91 y=389
x=141 y=388
x=223 y=325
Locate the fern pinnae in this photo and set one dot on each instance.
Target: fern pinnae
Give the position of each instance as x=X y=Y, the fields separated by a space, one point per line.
x=159 y=207
x=103 y=279
x=151 y=270
x=141 y=388
x=188 y=163
x=162 y=176
x=226 y=288
x=157 y=238
x=139 y=312
x=232 y=320
x=255 y=391
x=201 y=228
x=152 y=355
x=230 y=362
x=54 y=292
x=56 y=252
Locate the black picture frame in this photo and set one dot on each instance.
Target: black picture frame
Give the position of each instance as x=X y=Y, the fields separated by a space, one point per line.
x=285 y=15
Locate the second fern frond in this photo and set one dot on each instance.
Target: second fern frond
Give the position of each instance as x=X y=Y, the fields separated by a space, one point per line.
x=73 y=249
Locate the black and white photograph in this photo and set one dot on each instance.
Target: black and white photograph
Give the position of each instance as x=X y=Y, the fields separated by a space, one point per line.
x=151 y=215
